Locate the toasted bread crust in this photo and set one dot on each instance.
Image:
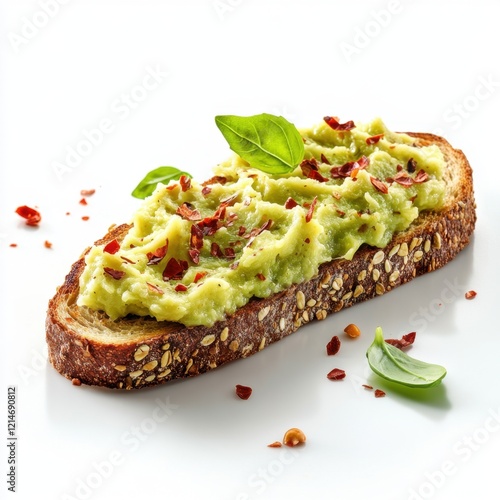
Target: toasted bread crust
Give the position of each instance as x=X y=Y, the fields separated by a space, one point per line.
x=137 y=352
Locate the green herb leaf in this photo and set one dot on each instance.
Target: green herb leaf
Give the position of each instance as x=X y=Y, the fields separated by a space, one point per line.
x=161 y=174
x=267 y=142
x=393 y=364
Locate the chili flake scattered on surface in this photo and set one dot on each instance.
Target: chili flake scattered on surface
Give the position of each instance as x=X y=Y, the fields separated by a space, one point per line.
x=185 y=182
x=87 y=192
x=336 y=374
x=114 y=273
x=379 y=393
x=379 y=185
x=336 y=125
x=290 y=203
x=368 y=387
x=181 y=288
x=470 y=294
x=374 y=139
x=311 y=209
x=112 y=247
x=333 y=346
x=404 y=341
x=13 y=245
x=31 y=215
x=83 y=201
x=85 y=217
x=47 y=244
x=157 y=255
x=276 y=444
x=243 y=391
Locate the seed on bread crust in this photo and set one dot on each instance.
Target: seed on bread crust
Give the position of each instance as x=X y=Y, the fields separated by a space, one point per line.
x=141 y=352
x=207 y=340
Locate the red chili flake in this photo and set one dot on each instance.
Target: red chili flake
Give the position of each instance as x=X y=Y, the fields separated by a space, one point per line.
x=310 y=170
x=87 y=192
x=256 y=231
x=411 y=165
x=470 y=294
x=242 y=230
x=260 y=276
x=13 y=245
x=199 y=276
x=209 y=226
x=157 y=255
x=216 y=179
x=403 y=179
x=379 y=393
x=185 y=182
x=194 y=253
x=154 y=288
x=334 y=123
x=196 y=240
x=307 y=240
x=276 y=444
x=171 y=187
x=83 y=201
x=229 y=253
x=324 y=159
x=114 y=273
x=187 y=213
x=181 y=288
x=215 y=250
x=311 y=209
x=333 y=346
x=243 y=391
x=374 y=139
x=421 y=177
x=290 y=203
x=112 y=247
x=206 y=191
x=47 y=244
x=174 y=270
x=399 y=168
x=379 y=185
x=68 y=213
x=368 y=387
x=336 y=374
x=85 y=217
x=347 y=169
x=404 y=341
x=31 y=215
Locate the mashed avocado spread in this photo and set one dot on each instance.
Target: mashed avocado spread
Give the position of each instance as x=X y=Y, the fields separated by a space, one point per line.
x=196 y=252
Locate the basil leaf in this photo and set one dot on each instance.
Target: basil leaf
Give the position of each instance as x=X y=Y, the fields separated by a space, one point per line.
x=267 y=142
x=146 y=187
x=393 y=364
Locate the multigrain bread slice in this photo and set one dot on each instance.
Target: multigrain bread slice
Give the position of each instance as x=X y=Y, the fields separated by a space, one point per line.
x=136 y=352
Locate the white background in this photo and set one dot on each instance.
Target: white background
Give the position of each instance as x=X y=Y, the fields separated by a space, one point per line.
x=421 y=66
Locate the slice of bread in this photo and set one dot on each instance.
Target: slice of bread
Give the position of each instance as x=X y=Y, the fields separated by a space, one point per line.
x=136 y=352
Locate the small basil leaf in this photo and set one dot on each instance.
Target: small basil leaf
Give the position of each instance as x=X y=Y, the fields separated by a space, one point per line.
x=393 y=364
x=267 y=142
x=147 y=186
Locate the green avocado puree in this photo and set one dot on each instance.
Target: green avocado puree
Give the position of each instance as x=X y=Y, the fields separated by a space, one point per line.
x=256 y=233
